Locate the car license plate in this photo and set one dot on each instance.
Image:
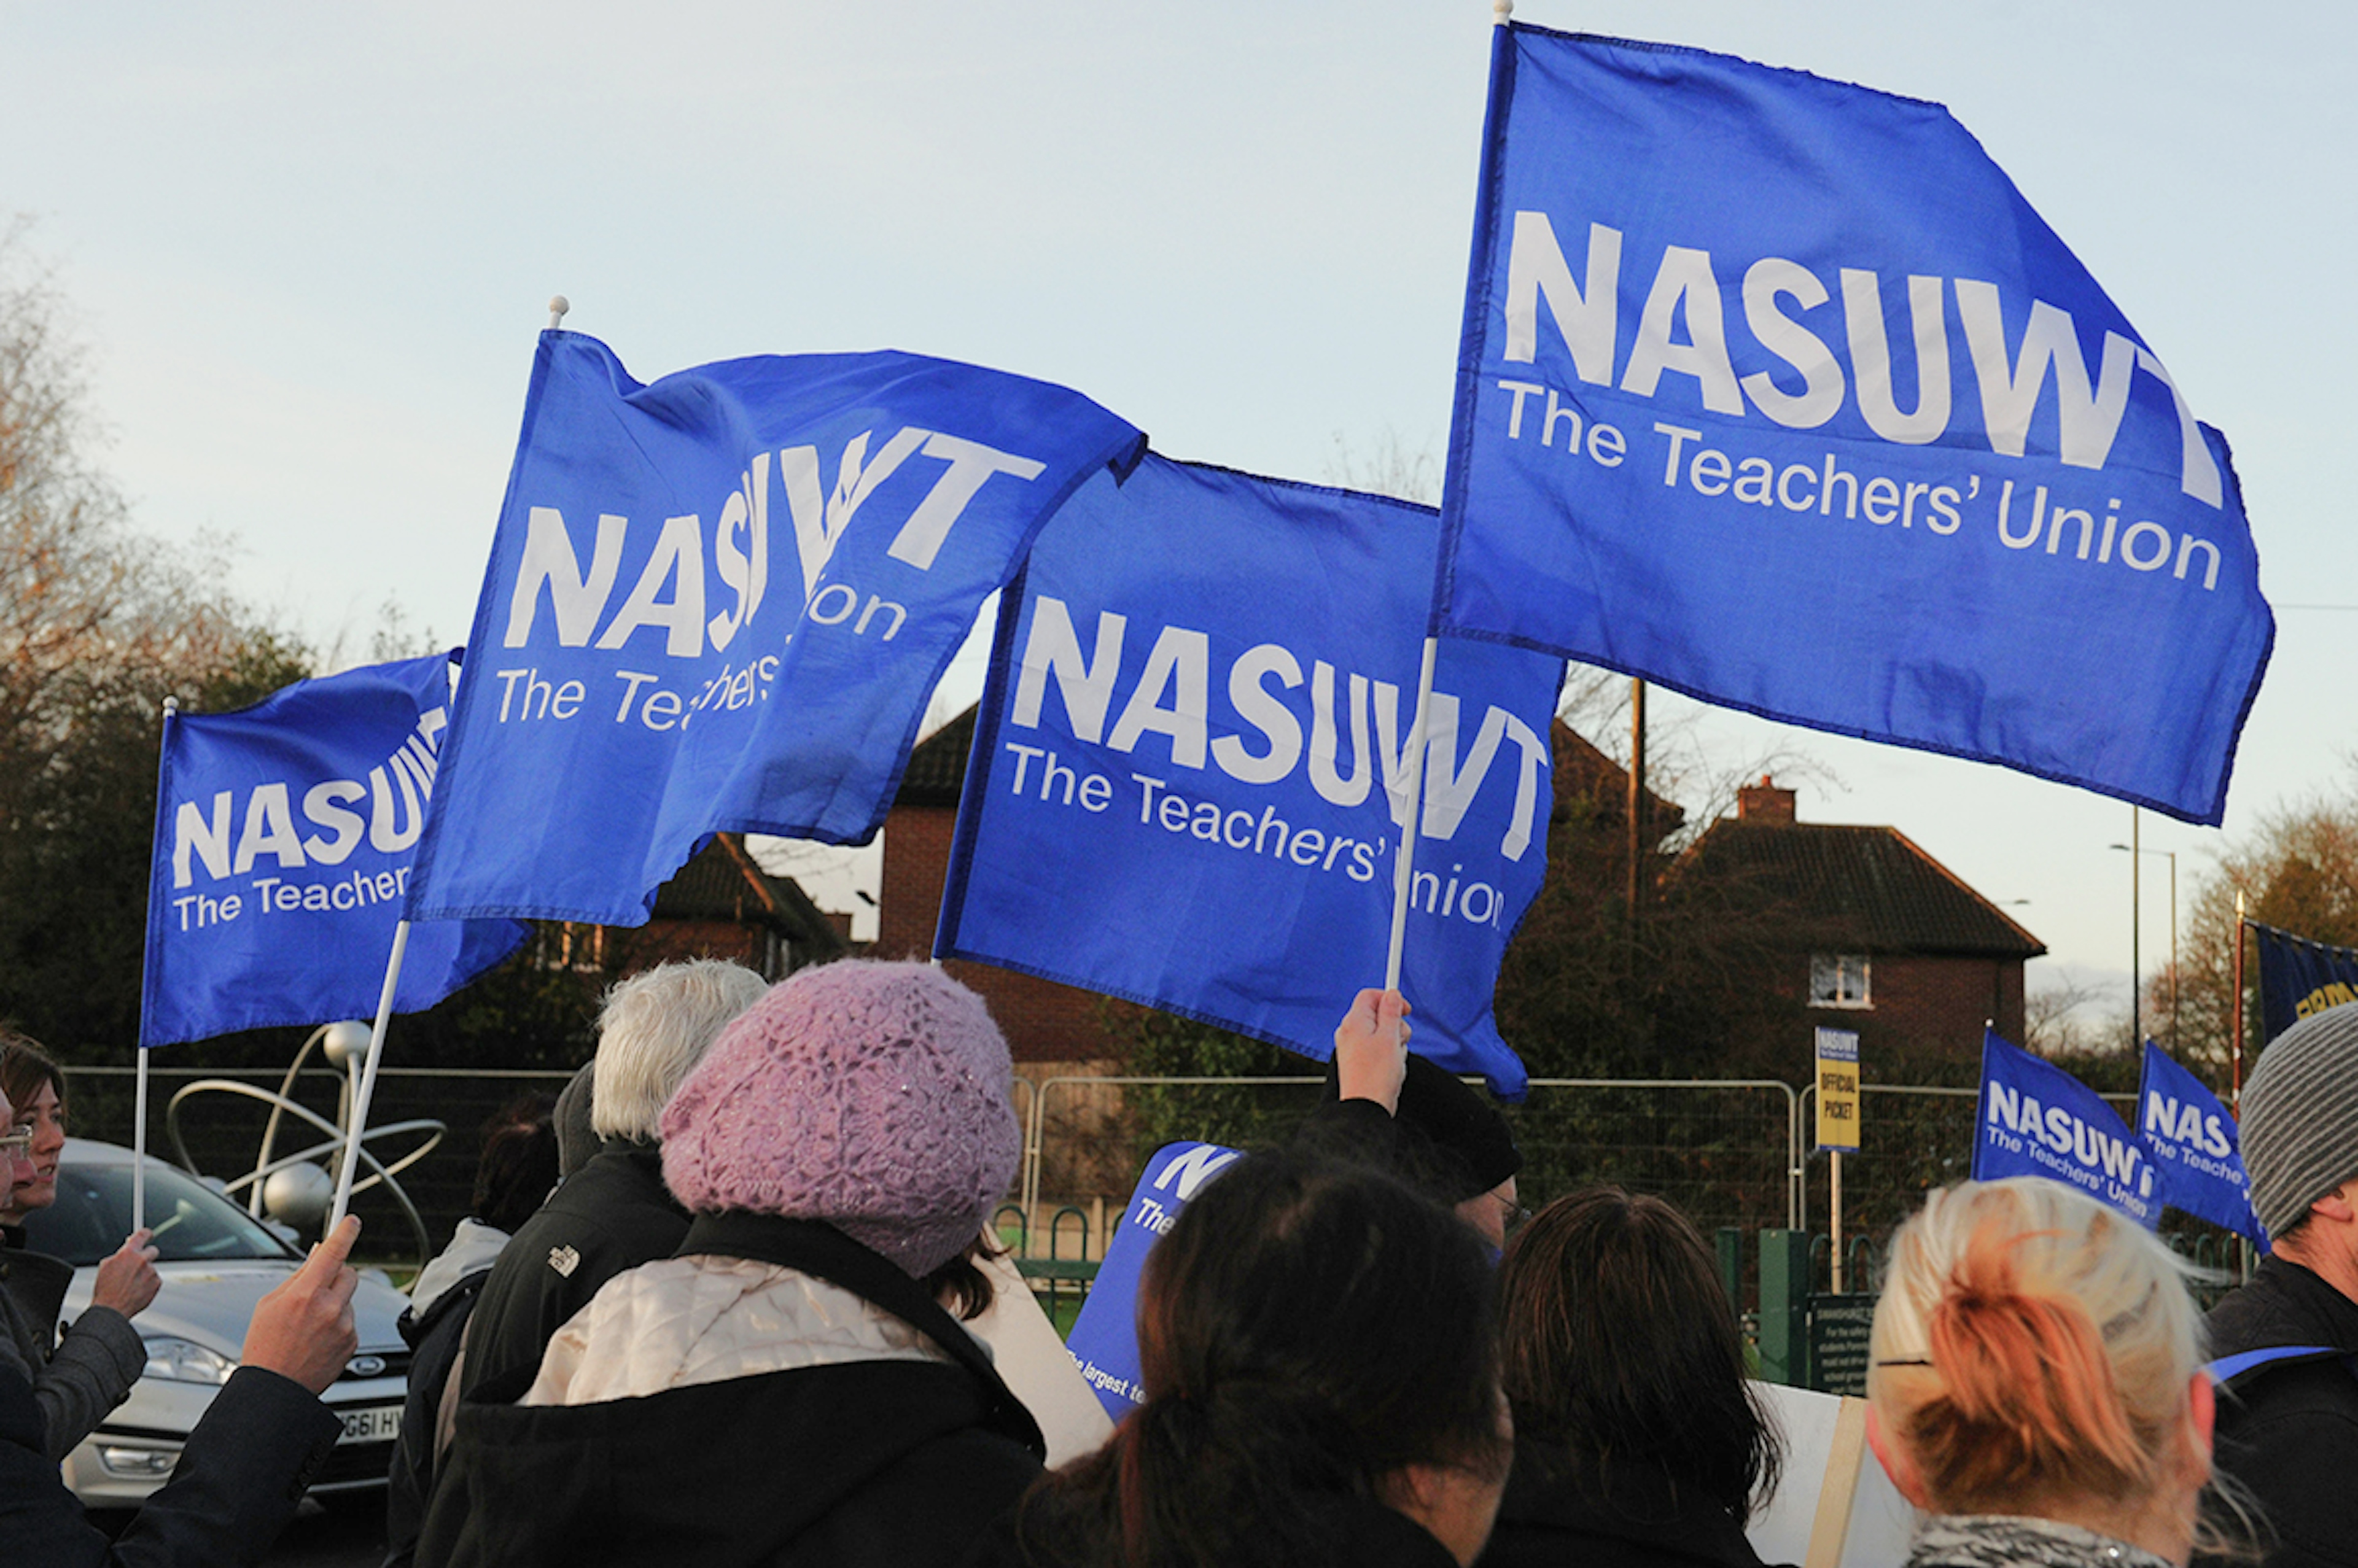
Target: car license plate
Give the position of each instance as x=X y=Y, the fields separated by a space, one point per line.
x=379 y=1424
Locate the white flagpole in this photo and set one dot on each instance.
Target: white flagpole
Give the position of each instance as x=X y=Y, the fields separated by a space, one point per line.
x=359 y=1122
x=139 y=1145
x=1403 y=871
x=139 y=1092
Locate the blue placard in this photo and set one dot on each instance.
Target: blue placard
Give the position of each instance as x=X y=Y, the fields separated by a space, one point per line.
x=2036 y=1119
x=1776 y=390
x=1104 y=1341
x=2196 y=1147
x=2299 y=977
x=285 y=834
x=720 y=602
x=1188 y=776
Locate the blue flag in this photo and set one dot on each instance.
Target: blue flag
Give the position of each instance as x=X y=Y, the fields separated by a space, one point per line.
x=1104 y=1341
x=2036 y=1119
x=284 y=837
x=2195 y=1147
x=1188 y=771
x=2299 y=977
x=1776 y=390
x=654 y=662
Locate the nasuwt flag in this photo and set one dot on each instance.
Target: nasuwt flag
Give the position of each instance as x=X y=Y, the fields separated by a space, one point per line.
x=1776 y=390
x=284 y=839
x=1104 y=1341
x=654 y=662
x=2299 y=977
x=1188 y=775
x=2195 y=1146
x=2036 y=1119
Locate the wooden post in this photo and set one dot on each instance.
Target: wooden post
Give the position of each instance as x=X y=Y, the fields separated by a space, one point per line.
x=1637 y=811
x=1834 y=1197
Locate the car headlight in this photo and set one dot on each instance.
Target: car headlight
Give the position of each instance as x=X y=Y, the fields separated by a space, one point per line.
x=186 y=1361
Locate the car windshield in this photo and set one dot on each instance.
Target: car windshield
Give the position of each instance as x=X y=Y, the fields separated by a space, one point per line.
x=93 y=1215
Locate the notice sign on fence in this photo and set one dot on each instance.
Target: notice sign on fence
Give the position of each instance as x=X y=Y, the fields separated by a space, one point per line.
x=1838 y=1090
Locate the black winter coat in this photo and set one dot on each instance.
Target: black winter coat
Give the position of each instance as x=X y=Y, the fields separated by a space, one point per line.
x=612 y=1214
x=2289 y=1430
x=1555 y=1512
x=893 y=1464
x=241 y=1473
x=1357 y=1533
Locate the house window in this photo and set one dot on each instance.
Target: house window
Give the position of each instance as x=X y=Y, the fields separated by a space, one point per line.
x=1838 y=979
x=569 y=946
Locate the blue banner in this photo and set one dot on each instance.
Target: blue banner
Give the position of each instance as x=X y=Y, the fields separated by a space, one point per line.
x=1775 y=390
x=2195 y=1147
x=1188 y=775
x=654 y=662
x=284 y=839
x=2299 y=977
x=1104 y=1341
x=2036 y=1119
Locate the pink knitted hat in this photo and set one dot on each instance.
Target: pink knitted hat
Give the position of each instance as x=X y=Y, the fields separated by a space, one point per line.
x=872 y=1096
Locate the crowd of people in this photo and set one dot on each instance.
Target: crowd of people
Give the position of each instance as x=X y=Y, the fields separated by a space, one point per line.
x=760 y=1321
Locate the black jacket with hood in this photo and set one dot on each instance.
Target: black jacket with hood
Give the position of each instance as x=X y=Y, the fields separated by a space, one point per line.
x=896 y=1463
x=612 y=1214
x=2289 y=1429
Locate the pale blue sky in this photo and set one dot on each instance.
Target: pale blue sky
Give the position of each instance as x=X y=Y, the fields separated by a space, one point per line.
x=309 y=247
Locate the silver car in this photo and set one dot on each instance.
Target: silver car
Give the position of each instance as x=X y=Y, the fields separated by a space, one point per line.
x=216 y=1263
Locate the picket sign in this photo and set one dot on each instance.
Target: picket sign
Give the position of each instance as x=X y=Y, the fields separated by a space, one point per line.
x=1835 y=1508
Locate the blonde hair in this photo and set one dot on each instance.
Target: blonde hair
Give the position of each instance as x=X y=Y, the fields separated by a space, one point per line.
x=2032 y=1345
x=654 y=1030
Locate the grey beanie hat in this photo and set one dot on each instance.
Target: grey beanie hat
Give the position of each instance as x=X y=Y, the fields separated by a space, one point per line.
x=577 y=1140
x=2299 y=1116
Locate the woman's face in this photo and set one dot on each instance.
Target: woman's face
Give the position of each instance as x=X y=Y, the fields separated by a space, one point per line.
x=44 y=1116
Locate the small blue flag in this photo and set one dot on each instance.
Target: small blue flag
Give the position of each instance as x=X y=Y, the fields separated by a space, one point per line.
x=2036 y=1119
x=1104 y=1341
x=654 y=662
x=1188 y=774
x=284 y=839
x=1776 y=390
x=2195 y=1147
x=2299 y=977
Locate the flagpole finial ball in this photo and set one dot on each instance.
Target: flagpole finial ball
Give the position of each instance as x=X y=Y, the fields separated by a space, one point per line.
x=345 y=1043
x=1500 y=11
x=557 y=306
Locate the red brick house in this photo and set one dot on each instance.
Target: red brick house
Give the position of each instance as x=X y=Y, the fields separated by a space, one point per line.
x=719 y=905
x=1044 y=1022
x=1885 y=939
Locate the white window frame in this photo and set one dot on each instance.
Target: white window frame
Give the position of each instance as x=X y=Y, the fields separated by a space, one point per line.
x=1843 y=980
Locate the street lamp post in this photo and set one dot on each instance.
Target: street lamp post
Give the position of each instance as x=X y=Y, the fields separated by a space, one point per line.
x=2136 y=853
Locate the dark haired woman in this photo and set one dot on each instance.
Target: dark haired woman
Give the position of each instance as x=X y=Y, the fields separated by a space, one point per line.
x=517 y=1168
x=80 y=1378
x=1321 y=1387
x=1638 y=1442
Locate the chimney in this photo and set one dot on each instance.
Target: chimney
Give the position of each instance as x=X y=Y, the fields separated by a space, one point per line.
x=1763 y=802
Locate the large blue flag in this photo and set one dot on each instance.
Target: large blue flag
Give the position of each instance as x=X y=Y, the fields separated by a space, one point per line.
x=1776 y=390
x=2299 y=977
x=285 y=834
x=652 y=661
x=2195 y=1146
x=1188 y=779
x=2036 y=1119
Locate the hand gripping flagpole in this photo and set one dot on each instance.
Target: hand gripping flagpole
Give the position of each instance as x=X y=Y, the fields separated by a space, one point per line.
x=1403 y=871
x=357 y=1123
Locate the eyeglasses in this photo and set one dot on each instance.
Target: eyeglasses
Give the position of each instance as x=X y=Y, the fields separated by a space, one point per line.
x=17 y=1142
x=1516 y=1213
